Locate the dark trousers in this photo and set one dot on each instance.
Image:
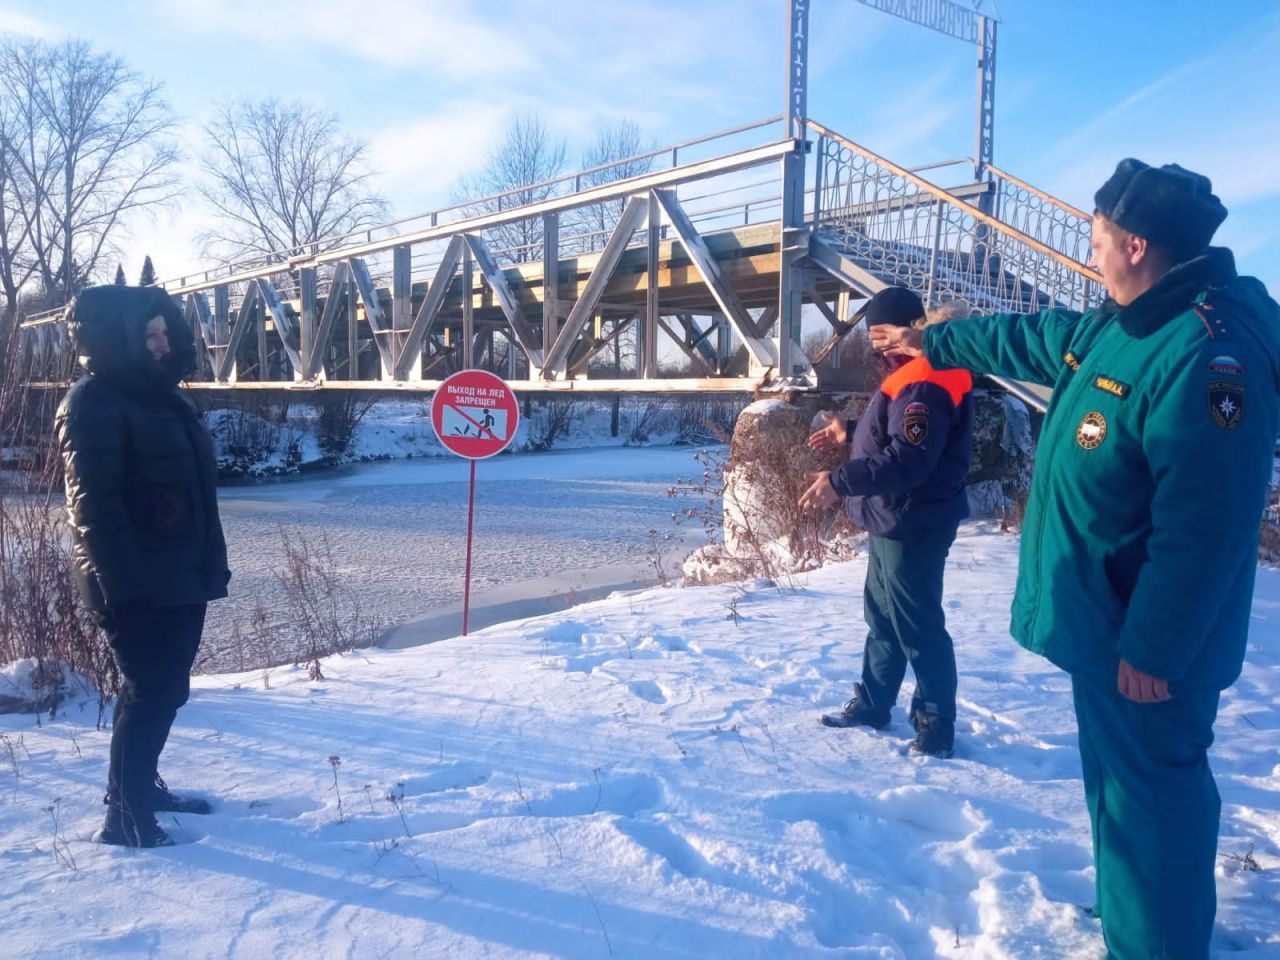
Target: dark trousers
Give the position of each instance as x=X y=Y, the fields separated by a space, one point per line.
x=1154 y=810
x=902 y=604
x=154 y=648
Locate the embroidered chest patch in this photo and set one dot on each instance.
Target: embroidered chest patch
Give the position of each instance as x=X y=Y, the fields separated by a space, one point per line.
x=1092 y=430
x=915 y=422
x=1226 y=403
x=1071 y=360
x=1112 y=386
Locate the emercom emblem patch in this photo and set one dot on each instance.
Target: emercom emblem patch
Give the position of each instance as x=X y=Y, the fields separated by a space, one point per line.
x=1092 y=430
x=915 y=422
x=1226 y=403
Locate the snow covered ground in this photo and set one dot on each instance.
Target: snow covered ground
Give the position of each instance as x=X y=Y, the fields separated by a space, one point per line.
x=637 y=777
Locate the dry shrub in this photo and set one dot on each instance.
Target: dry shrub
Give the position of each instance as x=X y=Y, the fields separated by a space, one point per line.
x=251 y=645
x=320 y=614
x=41 y=618
x=748 y=501
x=648 y=417
x=338 y=413
x=552 y=420
x=701 y=421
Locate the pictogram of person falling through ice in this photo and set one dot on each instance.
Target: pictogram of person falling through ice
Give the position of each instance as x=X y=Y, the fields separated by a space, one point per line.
x=483 y=428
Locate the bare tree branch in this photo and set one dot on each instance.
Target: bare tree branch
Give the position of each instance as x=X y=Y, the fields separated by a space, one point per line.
x=283 y=176
x=526 y=157
x=84 y=140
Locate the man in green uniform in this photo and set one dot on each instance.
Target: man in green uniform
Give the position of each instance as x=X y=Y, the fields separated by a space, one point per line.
x=1140 y=541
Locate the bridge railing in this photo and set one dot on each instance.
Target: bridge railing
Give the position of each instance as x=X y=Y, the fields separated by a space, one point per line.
x=1053 y=222
x=659 y=158
x=907 y=230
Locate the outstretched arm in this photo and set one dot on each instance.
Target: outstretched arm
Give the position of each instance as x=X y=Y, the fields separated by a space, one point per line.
x=1031 y=347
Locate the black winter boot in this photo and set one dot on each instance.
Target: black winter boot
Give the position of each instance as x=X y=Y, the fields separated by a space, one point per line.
x=857 y=712
x=935 y=737
x=164 y=799
x=122 y=828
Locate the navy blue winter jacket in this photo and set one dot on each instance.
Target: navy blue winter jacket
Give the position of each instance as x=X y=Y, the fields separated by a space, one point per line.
x=909 y=453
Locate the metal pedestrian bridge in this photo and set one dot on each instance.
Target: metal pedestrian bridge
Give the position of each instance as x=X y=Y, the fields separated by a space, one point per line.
x=702 y=257
x=693 y=252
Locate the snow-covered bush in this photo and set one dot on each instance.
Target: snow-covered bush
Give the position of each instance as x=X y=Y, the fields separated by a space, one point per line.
x=748 y=502
x=46 y=638
x=41 y=619
x=1003 y=457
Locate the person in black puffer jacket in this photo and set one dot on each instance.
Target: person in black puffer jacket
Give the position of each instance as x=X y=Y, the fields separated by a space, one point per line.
x=147 y=542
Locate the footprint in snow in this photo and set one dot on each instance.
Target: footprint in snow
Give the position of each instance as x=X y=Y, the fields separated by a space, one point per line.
x=648 y=690
x=450 y=776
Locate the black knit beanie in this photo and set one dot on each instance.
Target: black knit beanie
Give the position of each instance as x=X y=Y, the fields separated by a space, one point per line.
x=896 y=306
x=1169 y=206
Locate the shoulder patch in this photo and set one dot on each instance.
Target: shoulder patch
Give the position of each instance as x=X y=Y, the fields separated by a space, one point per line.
x=1224 y=365
x=1226 y=403
x=915 y=422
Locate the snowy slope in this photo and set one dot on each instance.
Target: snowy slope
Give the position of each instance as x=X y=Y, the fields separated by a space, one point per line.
x=637 y=777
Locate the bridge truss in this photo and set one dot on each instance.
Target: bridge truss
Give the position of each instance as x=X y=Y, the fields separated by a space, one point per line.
x=716 y=249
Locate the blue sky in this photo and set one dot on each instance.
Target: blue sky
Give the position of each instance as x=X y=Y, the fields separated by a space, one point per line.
x=432 y=85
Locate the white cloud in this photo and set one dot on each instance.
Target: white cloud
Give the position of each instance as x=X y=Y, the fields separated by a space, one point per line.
x=430 y=35
x=419 y=161
x=12 y=21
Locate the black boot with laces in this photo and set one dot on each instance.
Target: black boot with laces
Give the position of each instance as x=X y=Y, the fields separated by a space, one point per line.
x=122 y=828
x=162 y=799
x=165 y=799
x=857 y=712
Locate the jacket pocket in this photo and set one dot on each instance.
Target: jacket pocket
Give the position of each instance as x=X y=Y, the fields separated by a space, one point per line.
x=159 y=499
x=161 y=510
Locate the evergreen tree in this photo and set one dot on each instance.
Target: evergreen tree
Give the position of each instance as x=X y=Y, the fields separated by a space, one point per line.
x=148 y=277
x=120 y=278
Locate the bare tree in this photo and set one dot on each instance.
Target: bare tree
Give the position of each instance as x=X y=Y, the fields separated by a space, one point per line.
x=84 y=141
x=17 y=263
x=527 y=157
x=614 y=155
x=282 y=175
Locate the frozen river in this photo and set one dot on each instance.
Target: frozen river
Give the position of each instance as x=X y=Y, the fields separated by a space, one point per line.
x=547 y=525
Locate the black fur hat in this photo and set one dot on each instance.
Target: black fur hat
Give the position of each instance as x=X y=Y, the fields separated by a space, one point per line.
x=1169 y=206
x=896 y=306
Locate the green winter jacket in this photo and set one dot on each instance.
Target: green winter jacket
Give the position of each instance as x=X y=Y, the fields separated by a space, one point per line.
x=1141 y=532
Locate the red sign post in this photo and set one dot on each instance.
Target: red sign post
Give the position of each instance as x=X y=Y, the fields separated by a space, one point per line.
x=475 y=415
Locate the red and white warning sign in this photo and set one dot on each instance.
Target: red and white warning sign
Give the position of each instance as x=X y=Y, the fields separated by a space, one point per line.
x=475 y=414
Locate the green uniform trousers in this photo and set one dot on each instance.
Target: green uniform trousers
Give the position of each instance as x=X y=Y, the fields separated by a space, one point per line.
x=1154 y=810
x=902 y=604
